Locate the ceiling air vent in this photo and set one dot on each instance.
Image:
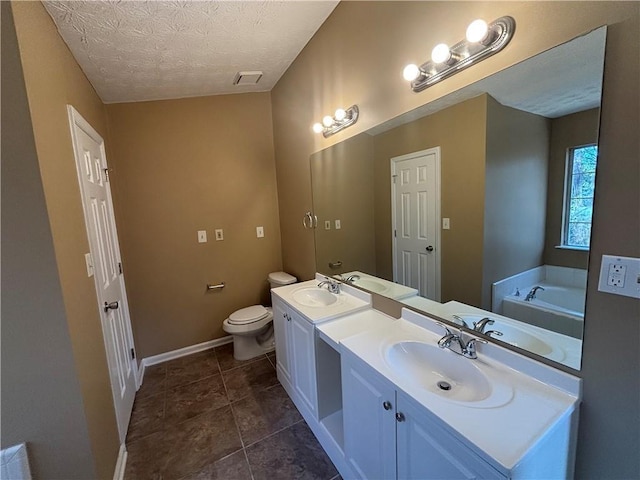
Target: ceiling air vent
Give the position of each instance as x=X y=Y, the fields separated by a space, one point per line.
x=247 y=78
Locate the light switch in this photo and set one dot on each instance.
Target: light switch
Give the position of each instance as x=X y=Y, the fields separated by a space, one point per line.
x=338 y=225
x=445 y=224
x=202 y=236
x=260 y=232
x=219 y=234
x=327 y=224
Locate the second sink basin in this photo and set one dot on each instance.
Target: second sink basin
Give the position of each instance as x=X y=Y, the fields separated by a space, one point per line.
x=314 y=297
x=445 y=374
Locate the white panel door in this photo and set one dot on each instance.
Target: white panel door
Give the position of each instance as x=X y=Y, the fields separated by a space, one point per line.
x=416 y=221
x=91 y=164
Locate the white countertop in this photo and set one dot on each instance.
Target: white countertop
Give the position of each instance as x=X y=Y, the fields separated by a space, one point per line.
x=504 y=432
x=350 y=300
x=381 y=286
x=334 y=331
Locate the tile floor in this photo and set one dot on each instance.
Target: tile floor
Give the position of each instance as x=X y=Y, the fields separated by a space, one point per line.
x=209 y=416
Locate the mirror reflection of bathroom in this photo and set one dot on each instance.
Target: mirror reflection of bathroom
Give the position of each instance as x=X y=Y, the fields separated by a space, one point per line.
x=503 y=225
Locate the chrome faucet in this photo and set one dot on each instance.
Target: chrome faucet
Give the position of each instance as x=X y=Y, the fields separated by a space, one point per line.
x=455 y=342
x=532 y=294
x=352 y=278
x=332 y=285
x=479 y=326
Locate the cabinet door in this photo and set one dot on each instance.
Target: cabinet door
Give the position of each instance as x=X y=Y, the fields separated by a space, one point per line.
x=369 y=422
x=281 y=331
x=303 y=361
x=427 y=451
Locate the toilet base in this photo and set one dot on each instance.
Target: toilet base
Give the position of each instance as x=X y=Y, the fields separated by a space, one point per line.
x=247 y=347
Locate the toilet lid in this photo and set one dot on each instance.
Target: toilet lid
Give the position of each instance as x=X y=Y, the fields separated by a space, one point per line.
x=248 y=315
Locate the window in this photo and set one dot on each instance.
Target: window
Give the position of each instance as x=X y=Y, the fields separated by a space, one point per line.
x=579 y=188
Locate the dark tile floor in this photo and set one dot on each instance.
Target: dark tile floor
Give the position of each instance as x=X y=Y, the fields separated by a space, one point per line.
x=209 y=416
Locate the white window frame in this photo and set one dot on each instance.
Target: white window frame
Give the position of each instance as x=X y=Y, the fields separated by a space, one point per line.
x=568 y=180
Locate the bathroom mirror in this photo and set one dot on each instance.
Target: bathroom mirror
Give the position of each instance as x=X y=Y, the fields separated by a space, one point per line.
x=492 y=223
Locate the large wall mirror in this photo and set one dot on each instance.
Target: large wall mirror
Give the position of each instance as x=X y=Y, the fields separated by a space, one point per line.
x=464 y=206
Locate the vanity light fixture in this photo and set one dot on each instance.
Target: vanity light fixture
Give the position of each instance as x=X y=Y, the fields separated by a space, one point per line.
x=341 y=119
x=482 y=40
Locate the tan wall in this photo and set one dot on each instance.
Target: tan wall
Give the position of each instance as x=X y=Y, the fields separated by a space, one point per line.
x=357 y=56
x=609 y=435
x=460 y=133
x=38 y=369
x=53 y=80
x=566 y=132
x=516 y=194
x=186 y=165
x=343 y=188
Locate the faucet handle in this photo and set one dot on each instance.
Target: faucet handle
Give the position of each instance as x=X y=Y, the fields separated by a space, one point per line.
x=493 y=332
x=446 y=328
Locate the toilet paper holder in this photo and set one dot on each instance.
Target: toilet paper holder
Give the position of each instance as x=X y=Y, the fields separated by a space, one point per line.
x=215 y=287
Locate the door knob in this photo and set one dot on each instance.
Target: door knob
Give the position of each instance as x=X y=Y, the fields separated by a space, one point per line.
x=429 y=248
x=110 y=306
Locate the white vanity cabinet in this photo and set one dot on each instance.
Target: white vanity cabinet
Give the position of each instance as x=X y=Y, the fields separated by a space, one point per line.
x=388 y=435
x=295 y=355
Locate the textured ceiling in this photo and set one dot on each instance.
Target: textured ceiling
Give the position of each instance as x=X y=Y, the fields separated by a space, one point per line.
x=149 y=50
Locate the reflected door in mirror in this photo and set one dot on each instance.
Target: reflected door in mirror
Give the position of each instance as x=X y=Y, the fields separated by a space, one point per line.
x=416 y=220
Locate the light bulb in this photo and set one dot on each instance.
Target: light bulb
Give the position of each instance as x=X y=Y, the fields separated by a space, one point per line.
x=477 y=31
x=317 y=127
x=440 y=53
x=327 y=121
x=411 y=72
x=340 y=114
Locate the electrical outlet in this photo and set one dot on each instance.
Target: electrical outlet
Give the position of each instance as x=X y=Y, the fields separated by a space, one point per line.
x=202 y=236
x=327 y=225
x=219 y=234
x=620 y=276
x=338 y=226
x=260 y=232
x=616 y=275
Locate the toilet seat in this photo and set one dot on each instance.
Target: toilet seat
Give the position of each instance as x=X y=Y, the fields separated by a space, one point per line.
x=248 y=315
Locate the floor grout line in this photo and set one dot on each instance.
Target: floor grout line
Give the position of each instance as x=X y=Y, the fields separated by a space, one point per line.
x=166 y=391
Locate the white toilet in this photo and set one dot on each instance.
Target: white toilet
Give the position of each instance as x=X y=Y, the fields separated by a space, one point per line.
x=252 y=327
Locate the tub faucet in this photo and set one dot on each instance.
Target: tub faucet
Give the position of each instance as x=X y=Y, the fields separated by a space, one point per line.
x=532 y=294
x=332 y=285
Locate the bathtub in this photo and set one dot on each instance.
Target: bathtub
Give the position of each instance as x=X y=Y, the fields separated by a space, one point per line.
x=558 y=308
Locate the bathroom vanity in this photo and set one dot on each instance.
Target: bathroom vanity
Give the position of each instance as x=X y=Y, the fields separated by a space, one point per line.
x=386 y=402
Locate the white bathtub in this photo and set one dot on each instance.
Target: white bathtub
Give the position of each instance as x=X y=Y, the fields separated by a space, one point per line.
x=558 y=308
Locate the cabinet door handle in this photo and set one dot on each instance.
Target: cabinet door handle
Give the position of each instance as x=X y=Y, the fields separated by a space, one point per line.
x=400 y=417
x=387 y=405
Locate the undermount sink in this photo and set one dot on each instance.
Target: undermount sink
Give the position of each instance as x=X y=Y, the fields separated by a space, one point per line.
x=446 y=374
x=314 y=297
x=518 y=337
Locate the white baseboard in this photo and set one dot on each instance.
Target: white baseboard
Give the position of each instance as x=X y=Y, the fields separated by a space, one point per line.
x=181 y=352
x=121 y=463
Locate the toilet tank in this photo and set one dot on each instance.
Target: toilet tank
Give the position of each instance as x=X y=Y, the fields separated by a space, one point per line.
x=278 y=279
